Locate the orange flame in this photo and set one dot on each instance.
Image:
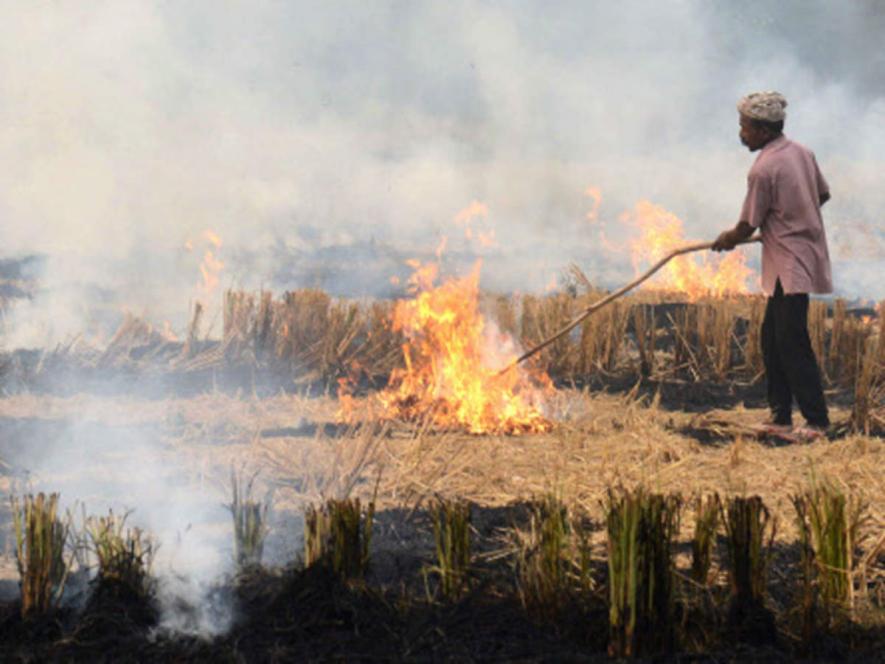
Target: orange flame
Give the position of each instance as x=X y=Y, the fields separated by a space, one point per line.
x=472 y=214
x=453 y=358
x=697 y=274
x=594 y=194
x=210 y=267
x=212 y=238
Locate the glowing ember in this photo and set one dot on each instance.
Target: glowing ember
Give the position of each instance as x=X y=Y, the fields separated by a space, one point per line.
x=453 y=357
x=696 y=274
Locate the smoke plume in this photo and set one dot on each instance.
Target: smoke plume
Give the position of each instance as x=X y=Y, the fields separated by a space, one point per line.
x=325 y=143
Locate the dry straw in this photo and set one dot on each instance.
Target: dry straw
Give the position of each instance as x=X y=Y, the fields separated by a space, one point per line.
x=868 y=411
x=320 y=339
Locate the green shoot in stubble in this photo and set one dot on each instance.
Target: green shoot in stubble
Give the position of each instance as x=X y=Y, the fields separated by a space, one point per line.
x=750 y=531
x=641 y=527
x=40 y=540
x=829 y=522
x=707 y=511
x=542 y=559
x=250 y=520
x=337 y=535
x=451 y=534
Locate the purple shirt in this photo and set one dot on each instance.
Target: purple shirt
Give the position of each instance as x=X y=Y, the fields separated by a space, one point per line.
x=784 y=188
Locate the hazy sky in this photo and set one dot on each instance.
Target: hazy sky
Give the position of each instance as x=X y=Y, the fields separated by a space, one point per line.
x=296 y=130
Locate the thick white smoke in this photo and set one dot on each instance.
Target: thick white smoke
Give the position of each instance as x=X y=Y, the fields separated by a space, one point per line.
x=326 y=142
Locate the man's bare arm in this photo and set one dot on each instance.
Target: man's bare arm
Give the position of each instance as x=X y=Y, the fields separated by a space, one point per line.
x=728 y=240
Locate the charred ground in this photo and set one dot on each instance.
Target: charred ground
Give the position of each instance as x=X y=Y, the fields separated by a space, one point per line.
x=654 y=393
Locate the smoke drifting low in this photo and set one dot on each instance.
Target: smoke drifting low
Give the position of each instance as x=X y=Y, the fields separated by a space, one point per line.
x=131 y=457
x=325 y=144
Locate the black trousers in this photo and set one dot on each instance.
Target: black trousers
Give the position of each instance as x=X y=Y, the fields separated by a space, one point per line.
x=790 y=365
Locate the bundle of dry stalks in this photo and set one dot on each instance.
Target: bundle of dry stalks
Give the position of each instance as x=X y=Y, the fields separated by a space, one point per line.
x=645 y=331
x=320 y=340
x=753 y=366
x=817 y=328
x=310 y=332
x=541 y=317
x=868 y=411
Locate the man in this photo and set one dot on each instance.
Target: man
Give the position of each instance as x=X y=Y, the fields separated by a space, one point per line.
x=785 y=191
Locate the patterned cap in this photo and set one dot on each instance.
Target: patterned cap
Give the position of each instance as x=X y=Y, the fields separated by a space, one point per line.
x=766 y=106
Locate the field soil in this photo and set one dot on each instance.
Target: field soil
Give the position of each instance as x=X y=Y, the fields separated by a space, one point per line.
x=169 y=460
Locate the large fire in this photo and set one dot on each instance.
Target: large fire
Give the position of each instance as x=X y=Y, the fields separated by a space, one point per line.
x=696 y=275
x=453 y=358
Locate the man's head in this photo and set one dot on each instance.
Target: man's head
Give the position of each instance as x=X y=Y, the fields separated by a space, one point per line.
x=762 y=118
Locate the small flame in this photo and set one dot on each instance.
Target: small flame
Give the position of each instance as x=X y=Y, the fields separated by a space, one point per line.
x=696 y=274
x=594 y=194
x=486 y=239
x=473 y=211
x=470 y=217
x=212 y=238
x=211 y=265
x=210 y=269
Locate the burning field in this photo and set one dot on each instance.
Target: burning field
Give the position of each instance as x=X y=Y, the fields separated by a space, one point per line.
x=335 y=479
x=394 y=331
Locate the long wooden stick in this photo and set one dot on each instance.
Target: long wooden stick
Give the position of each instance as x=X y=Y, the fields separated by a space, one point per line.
x=596 y=306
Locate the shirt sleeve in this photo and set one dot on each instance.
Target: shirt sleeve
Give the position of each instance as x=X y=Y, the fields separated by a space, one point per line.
x=758 y=200
x=823 y=188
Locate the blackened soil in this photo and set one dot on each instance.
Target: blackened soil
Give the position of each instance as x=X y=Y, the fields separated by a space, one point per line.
x=398 y=614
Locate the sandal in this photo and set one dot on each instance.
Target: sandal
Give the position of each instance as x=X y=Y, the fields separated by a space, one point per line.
x=772 y=429
x=808 y=433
